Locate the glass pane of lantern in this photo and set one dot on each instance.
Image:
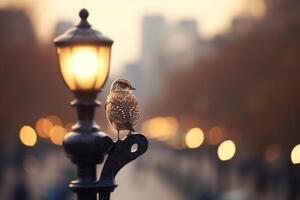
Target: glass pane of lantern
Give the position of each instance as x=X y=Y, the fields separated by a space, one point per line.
x=104 y=63
x=65 y=67
x=84 y=67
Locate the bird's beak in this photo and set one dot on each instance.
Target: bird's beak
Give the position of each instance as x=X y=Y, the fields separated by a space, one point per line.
x=132 y=88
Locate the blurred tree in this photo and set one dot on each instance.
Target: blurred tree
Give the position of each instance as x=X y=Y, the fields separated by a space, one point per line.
x=250 y=86
x=29 y=81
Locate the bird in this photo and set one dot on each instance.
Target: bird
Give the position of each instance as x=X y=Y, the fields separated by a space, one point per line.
x=122 y=107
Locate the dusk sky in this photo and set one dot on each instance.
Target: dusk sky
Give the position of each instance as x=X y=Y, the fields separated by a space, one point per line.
x=121 y=20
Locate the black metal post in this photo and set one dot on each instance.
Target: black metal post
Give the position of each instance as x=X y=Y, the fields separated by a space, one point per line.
x=105 y=196
x=86 y=174
x=86 y=146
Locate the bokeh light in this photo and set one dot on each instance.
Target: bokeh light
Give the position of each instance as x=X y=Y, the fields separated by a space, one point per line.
x=57 y=134
x=295 y=154
x=160 y=128
x=28 y=136
x=43 y=127
x=215 y=135
x=194 y=138
x=226 y=150
x=55 y=120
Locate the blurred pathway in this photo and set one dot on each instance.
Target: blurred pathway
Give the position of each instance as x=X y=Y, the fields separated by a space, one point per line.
x=144 y=185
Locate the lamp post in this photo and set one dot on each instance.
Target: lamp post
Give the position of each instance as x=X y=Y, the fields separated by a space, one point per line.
x=84 y=59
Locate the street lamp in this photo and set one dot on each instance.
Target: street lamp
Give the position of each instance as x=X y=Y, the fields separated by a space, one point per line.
x=84 y=59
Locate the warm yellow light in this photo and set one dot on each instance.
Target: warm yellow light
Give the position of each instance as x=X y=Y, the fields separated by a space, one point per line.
x=84 y=67
x=84 y=62
x=57 y=134
x=28 y=136
x=43 y=127
x=295 y=154
x=226 y=150
x=55 y=120
x=160 y=128
x=194 y=138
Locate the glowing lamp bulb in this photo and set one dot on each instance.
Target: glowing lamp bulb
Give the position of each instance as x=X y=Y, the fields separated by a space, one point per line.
x=84 y=67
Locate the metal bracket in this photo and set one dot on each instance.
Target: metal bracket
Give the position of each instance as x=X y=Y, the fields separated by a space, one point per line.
x=122 y=153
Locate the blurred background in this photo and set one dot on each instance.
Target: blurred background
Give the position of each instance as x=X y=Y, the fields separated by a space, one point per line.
x=218 y=82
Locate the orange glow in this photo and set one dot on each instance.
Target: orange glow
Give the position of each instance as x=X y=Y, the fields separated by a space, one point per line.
x=57 y=134
x=28 y=136
x=43 y=126
x=160 y=128
x=295 y=154
x=226 y=150
x=194 y=138
x=84 y=67
x=55 y=120
x=215 y=135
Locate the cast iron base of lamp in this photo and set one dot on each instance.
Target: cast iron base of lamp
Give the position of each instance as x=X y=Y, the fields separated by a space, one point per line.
x=87 y=146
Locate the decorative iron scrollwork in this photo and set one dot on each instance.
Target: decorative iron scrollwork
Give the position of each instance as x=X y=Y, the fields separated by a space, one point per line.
x=122 y=153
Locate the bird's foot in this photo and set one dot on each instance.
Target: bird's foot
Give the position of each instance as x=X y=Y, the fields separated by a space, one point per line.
x=118 y=136
x=129 y=133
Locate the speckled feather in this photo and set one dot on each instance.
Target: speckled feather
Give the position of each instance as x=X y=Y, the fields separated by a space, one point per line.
x=122 y=109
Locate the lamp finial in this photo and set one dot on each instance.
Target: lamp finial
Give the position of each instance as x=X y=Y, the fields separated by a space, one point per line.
x=83 y=14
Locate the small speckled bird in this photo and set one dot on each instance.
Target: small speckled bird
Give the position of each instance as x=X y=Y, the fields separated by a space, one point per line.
x=121 y=106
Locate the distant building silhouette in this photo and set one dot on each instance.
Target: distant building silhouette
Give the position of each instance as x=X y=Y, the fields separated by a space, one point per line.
x=169 y=48
x=163 y=45
x=153 y=39
x=153 y=44
x=182 y=44
x=189 y=28
x=16 y=28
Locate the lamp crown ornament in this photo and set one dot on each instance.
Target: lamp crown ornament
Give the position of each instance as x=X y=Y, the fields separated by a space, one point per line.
x=83 y=33
x=83 y=14
x=84 y=59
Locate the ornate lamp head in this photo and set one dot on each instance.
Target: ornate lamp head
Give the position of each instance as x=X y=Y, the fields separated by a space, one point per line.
x=84 y=57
